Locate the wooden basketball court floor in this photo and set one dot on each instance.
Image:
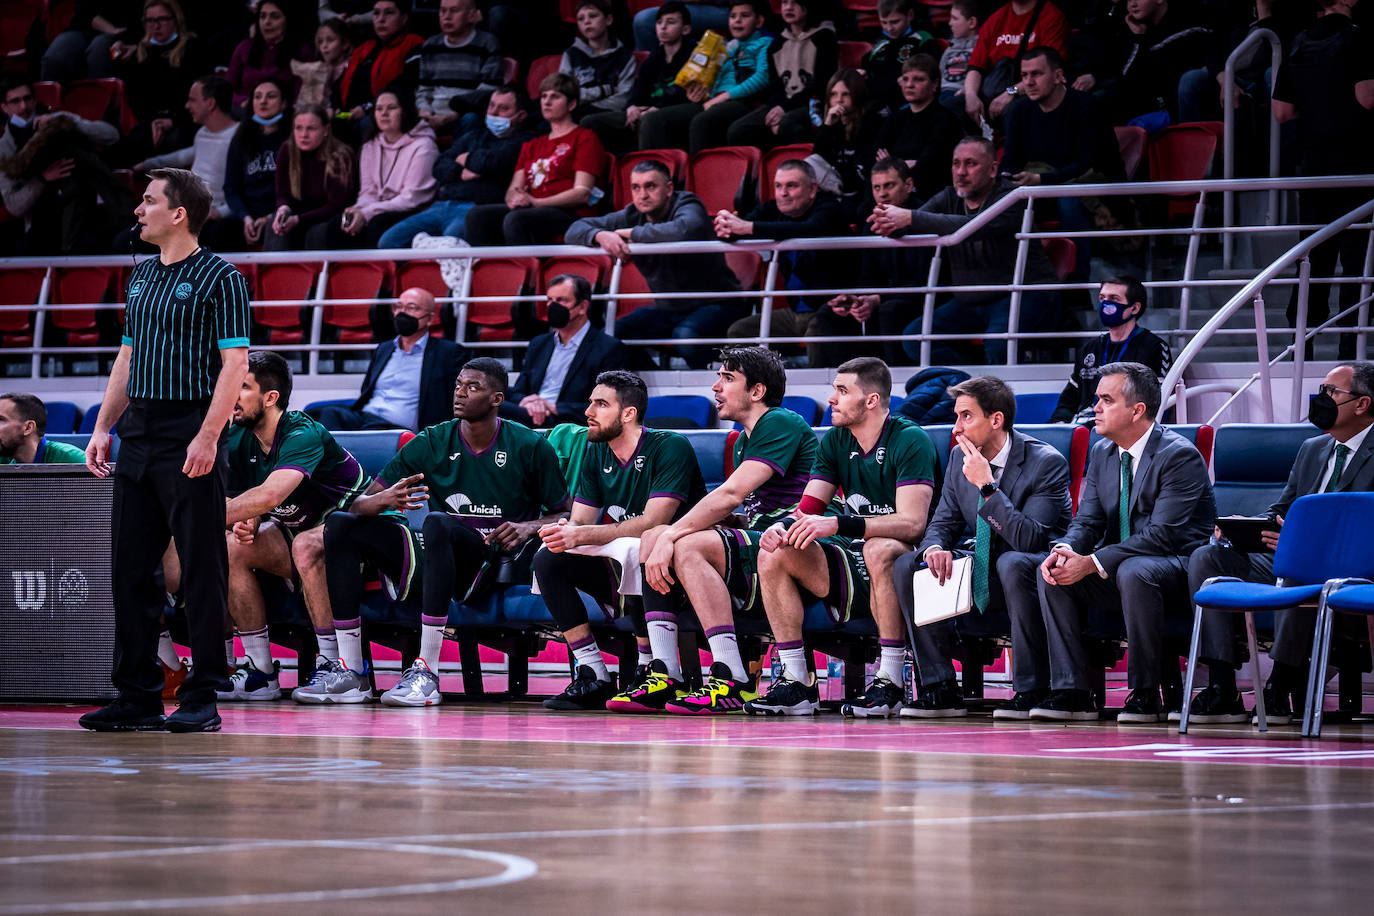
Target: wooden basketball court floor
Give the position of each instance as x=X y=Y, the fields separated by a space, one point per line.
x=478 y=808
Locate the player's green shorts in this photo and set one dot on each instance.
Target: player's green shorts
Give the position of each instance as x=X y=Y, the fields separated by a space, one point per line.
x=848 y=596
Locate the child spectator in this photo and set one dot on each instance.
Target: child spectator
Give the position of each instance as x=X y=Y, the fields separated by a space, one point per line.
x=739 y=86
x=900 y=39
x=963 y=30
x=654 y=88
x=459 y=67
x=333 y=47
x=267 y=53
x=847 y=136
x=250 y=174
x=316 y=179
x=603 y=67
x=922 y=133
x=800 y=62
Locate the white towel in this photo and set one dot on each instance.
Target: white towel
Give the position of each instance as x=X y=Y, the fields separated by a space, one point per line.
x=624 y=551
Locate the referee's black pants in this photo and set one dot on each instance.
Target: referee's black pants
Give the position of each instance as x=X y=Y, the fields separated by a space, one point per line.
x=155 y=501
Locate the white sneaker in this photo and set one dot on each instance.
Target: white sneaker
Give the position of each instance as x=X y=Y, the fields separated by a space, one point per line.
x=332 y=682
x=418 y=687
x=247 y=683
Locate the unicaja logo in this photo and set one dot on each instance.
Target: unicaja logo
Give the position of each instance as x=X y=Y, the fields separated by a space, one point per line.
x=30 y=589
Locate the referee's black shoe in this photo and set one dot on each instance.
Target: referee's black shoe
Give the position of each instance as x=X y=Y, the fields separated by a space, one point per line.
x=194 y=717
x=124 y=715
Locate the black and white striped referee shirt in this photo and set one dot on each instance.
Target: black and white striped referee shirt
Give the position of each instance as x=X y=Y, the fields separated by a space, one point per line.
x=179 y=317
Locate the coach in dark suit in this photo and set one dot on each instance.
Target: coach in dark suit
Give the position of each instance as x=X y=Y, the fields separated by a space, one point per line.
x=1337 y=462
x=561 y=367
x=409 y=384
x=1147 y=505
x=1006 y=496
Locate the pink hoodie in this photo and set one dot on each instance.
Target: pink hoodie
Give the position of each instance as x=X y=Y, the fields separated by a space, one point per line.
x=398 y=176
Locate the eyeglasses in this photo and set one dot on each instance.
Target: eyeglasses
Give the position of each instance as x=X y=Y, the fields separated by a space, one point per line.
x=1330 y=390
x=157 y=20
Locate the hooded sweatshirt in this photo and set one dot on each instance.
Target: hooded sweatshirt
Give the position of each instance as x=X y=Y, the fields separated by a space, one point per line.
x=397 y=176
x=605 y=79
x=799 y=66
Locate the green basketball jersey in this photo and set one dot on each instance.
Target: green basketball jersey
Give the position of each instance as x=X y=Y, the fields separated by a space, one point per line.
x=663 y=464
x=53 y=453
x=785 y=443
x=903 y=456
x=333 y=477
x=514 y=479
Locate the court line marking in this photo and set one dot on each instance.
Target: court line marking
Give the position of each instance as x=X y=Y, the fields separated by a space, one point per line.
x=514 y=868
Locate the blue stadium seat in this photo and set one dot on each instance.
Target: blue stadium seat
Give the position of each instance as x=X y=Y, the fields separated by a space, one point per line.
x=1252 y=462
x=679 y=411
x=88 y=421
x=63 y=416
x=1059 y=435
x=709 y=444
x=80 y=440
x=800 y=404
x=1035 y=407
x=342 y=402
x=373 y=448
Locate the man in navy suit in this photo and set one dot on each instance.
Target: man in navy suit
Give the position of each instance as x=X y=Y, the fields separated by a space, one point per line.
x=561 y=367
x=409 y=384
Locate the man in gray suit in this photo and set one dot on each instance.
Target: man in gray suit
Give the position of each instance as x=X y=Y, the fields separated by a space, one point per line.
x=1146 y=506
x=1338 y=461
x=1005 y=499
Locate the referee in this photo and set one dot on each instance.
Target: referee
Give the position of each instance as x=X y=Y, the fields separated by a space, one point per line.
x=183 y=359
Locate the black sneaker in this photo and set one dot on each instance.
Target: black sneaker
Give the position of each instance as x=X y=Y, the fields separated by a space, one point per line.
x=882 y=699
x=194 y=717
x=1278 y=705
x=1217 y=705
x=938 y=701
x=1142 y=706
x=787 y=697
x=639 y=677
x=1019 y=707
x=587 y=691
x=123 y=715
x=1067 y=706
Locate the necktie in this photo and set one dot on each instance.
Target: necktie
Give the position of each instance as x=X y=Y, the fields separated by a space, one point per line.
x=1123 y=509
x=982 y=553
x=1341 y=452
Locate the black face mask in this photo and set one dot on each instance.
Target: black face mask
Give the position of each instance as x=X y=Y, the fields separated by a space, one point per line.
x=559 y=315
x=1323 y=410
x=406 y=324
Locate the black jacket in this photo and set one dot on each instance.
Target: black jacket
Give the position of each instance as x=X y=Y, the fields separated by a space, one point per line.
x=598 y=352
x=438 y=373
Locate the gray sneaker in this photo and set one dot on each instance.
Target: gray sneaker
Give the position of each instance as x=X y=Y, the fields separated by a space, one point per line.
x=418 y=687
x=333 y=683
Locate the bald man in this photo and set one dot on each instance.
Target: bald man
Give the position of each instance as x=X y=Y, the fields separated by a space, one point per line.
x=410 y=382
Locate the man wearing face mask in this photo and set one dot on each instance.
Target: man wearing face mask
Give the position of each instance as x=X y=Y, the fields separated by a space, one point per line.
x=1336 y=462
x=561 y=367
x=410 y=381
x=1120 y=305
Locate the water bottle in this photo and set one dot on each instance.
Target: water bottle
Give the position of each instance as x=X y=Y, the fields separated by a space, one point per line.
x=775 y=672
x=909 y=676
x=834 y=679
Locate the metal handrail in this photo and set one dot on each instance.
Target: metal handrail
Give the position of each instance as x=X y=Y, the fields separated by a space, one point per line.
x=1228 y=160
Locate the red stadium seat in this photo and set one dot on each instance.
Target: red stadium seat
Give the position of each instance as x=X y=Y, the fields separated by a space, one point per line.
x=776 y=157
x=355 y=280
x=1181 y=153
x=852 y=53
x=510 y=68
x=1132 y=142
x=17 y=20
x=939 y=10
x=48 y=93
x=720 y=176
x=632 y=281
x=19 y=286
x=80 y=286
x=60 y=14
x=499 y=277
x=674 y=159
x=640 y=58
x=1061 y=252
x=93 y=99
x=541 y=67
x=640 y=5
x=283 y=281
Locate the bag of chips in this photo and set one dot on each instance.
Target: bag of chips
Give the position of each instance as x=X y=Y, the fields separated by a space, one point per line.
x=704 y=63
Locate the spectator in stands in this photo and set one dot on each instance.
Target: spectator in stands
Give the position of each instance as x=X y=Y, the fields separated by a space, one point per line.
x=994 y=69
x=560 y=367
x=23 y=422
x=1199 y=91
x=848 y=134
x=1120 y=305
x=849 y=314
x=963 y=30
x=713 y=15
x=987 y=258
x=396 y=171
x=798 y=210
x=157 y=77
x=801 y=61
x=459 y=68
x=1338 y=462
x=409 y=383
x=899 y=41
x=1006 y=495
x=602 y=66
x=277 y=40
x=98 y=34
x=922 y=133
x=1154 y=45
x=475 y=170
x=316 y=180
x=1327 y=85
x=658 y=212
x=1136 y=560
x=739 y=86
x=250 y=172
x=554 y=178
x=387 y=60
x=319 y=78
x=53 y=178
x=654 y=88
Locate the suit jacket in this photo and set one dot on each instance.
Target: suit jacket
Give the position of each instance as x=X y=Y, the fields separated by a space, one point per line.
x=1310 y=465
x=438 y=373
x=1029 y=510
x=1172 y=508
x=598 y=352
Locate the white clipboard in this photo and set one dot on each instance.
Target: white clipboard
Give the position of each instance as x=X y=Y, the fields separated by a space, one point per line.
x=932 y=601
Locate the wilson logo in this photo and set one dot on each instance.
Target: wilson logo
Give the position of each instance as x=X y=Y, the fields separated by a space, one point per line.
x=30 y=589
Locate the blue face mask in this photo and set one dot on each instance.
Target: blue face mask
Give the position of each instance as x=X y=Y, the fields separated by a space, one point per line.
x=497 y=125
x=268 y=122
x=18 y=122
x=162 y=44
x=1112 y=314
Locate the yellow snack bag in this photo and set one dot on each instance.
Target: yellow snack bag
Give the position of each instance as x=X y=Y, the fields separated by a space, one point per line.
x=704 y=64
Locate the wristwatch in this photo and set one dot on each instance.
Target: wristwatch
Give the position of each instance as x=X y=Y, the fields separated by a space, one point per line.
x=1014 y=89
x=987 y=489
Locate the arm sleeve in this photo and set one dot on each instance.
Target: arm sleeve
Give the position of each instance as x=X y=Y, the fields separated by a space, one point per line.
x=446 y=170
x=231 y=312
x=623 y=85
x=101 y=133
x=689 y=222
x=773 y=444
x=758 y=81
x=233 y=181
x=1182 y=483
x=583 y=232
x=821 y=222
x=589 y=491
x=672 y=472
x=182 y=158
x=981 y=58
x=915 y=459
x=494 y=160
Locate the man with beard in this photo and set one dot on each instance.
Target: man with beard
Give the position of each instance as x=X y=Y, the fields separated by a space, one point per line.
x=632 y=479
x=23 y=421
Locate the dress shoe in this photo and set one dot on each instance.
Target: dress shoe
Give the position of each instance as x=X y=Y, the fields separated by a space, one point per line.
x=124 y=715
x=194 y=717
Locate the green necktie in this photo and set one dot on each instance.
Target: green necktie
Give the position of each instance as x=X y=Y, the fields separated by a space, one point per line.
x=1123 y=508
x=982 y=553
x=1341 y=452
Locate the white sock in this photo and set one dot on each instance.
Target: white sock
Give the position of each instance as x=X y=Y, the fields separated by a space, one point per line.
x=350 y=647
x=229 y=650
x=589 y=653
x=725 y=648
x=167 y=651
x=431 y=644
x=645 y=656
x=258 y=648
x=663 y=643
x=794 y=664
x=329 y=645
x=890 y=663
